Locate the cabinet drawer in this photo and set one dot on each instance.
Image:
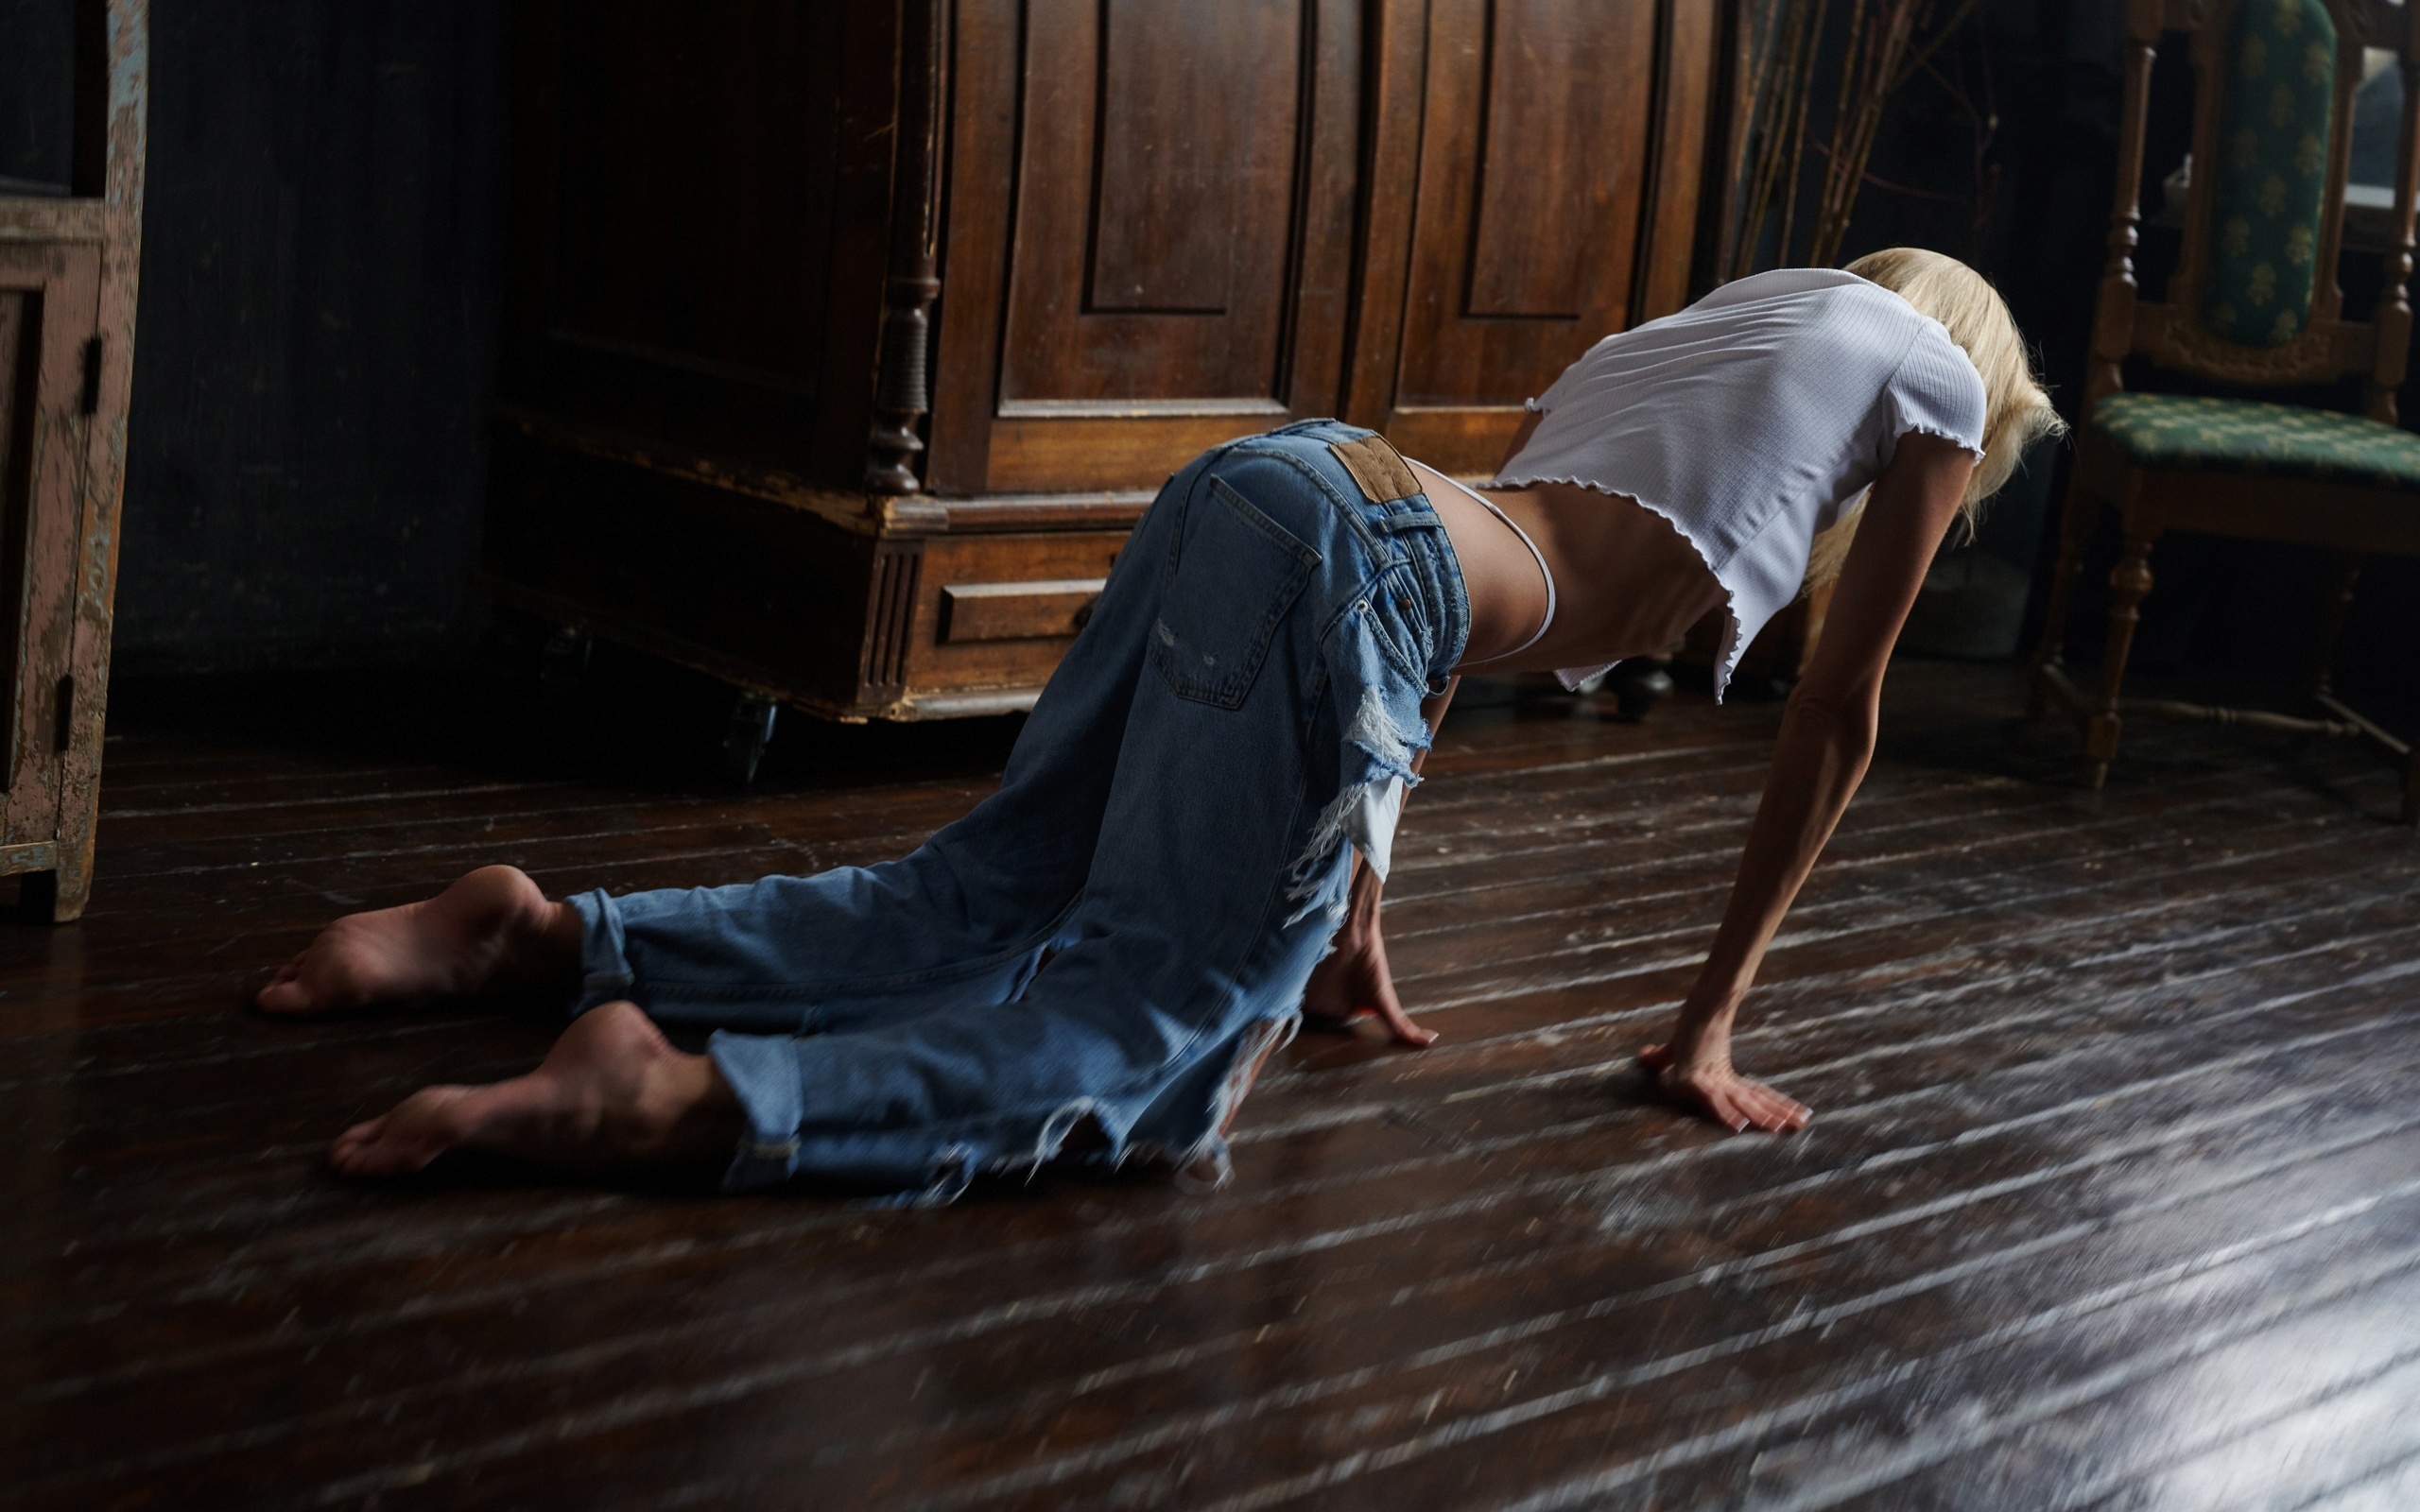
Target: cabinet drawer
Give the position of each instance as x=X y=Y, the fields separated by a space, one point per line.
x=998 y=611
x=1052 y=609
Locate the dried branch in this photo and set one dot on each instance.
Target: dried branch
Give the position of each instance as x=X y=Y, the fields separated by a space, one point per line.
x=1887 y=44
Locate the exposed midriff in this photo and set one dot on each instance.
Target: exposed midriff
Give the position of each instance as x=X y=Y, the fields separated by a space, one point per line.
x=1627 y=582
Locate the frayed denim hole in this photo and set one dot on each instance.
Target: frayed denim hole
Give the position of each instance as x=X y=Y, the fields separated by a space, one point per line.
x=1321 y=887
x=1210 y=1164
x=1207 y=1171
x=1385 y=739
x=953 y=1173
x=1386 y=751
x=1063 y=1121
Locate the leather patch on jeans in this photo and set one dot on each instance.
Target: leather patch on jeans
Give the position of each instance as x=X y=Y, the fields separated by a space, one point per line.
x=1379 y=468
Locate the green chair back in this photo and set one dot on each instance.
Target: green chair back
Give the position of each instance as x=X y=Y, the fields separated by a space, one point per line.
x=2254 y=300
x=2269 y=196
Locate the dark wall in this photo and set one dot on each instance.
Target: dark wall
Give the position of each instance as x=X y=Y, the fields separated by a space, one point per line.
x=2001 y=153
x=36 y=97
x=322 y=228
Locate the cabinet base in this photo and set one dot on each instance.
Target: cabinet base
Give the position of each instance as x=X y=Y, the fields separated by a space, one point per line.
x=849 y=607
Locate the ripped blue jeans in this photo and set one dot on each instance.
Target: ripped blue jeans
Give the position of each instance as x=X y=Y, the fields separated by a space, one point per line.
x=1120 y=933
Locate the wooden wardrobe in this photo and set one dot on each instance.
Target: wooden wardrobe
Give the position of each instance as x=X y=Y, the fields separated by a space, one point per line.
x=847 y=339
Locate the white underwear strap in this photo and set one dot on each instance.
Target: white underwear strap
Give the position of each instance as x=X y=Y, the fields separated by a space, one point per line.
x=1535 y=555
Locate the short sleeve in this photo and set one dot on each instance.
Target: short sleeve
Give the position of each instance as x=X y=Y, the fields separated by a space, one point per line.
x=1560 y=389
x=1935 y=390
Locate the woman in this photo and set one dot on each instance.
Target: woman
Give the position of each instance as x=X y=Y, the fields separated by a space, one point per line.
x=1186 y=851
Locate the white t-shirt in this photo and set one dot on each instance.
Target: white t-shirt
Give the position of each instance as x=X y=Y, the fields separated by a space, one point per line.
x=1748 y=421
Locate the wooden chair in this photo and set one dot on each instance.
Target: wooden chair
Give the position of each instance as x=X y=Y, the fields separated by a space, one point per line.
x=2254 y=301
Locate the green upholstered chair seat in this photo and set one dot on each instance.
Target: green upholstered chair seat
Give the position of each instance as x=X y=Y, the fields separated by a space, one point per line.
x=2243 y=436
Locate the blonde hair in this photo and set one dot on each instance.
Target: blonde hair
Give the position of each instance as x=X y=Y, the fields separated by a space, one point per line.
x=2017 y=412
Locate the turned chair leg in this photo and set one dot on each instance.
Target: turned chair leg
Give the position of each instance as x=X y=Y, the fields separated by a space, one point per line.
x=2130 y=582
x=2323 y=670
x=2075 y=529
x=2331 y=626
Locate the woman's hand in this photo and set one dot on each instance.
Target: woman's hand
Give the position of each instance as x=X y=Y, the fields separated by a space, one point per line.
x=1707 y=1084
x=1826 y=739
x=1353 y=980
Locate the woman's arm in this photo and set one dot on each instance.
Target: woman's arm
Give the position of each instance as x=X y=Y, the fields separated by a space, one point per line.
x=1353 y=978
x=1827 y=738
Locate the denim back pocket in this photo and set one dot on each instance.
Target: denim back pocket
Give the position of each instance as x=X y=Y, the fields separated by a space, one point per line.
x=1235 y=574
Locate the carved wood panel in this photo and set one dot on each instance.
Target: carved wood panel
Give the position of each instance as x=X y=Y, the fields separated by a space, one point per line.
x=1156 y=185
x=1165 y=191
x=1558 y=149
x=1539 y=165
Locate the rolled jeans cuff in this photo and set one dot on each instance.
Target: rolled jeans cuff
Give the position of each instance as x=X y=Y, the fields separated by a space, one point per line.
x=763 y=1072
x=605 y=974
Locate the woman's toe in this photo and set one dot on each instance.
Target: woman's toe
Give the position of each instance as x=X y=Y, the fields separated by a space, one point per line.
x=347 y=1152
x=420 y=1128
x=283 y=994
x=384 y=1153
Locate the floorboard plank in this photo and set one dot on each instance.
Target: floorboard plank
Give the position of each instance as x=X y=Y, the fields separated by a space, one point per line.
x=2110 y=1200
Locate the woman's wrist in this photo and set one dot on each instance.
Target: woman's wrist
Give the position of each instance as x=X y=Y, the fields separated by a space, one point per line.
x=1362 y=903
x=1703 y=1031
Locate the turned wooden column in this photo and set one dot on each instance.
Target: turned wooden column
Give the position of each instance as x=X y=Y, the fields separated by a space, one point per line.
x=902 y=389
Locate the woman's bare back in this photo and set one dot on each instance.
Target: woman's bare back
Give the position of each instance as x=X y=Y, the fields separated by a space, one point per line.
x=1627 y=582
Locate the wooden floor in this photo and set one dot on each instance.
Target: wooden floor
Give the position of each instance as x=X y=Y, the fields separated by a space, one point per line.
x=2113 y=1196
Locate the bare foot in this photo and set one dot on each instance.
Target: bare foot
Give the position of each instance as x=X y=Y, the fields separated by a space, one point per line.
x=492 y=929
x=613 y=1095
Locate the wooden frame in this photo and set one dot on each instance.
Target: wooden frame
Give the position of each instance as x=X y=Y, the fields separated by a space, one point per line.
x=2355 y=521
x=68 y=266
